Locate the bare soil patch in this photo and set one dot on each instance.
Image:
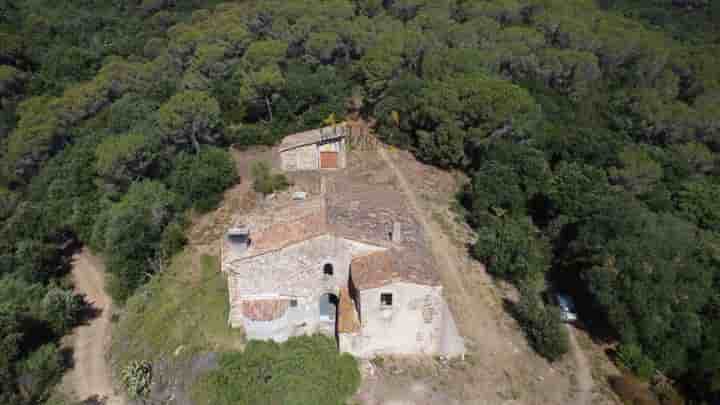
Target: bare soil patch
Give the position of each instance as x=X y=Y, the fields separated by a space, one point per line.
x=90 y=378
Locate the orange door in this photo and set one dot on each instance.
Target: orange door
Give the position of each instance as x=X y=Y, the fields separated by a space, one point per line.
x=328 y=160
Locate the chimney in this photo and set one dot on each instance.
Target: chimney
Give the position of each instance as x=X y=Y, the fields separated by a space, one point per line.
x=239 y=238
x=396 y=234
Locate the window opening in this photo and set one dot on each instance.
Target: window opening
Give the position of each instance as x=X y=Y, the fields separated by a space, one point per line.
x=386 y=299
x=328 y=269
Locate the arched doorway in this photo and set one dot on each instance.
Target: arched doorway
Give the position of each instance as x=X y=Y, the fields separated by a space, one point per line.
x=328 y=307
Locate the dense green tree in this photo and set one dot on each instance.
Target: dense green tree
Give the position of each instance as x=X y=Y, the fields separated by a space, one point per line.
x=199 y=180
x=637 y=172
x=589 y=127
x=130 y=234
x=189 y=118
x=123 y=159
x=10 y=339
x=698 y=201
x=513 y=249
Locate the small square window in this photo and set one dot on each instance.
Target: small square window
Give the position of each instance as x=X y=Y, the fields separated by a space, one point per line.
x=293 y=303
x=386 y=299
x=328 y=269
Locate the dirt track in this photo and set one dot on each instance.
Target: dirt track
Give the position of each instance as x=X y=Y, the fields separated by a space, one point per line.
x=583 y=375
x=90 y=378
x=478 y=310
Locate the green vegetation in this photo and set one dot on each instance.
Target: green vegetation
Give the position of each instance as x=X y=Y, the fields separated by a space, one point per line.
x=589 y=131
x=137 y=377
x=265 y=181
x=542 y=326
x=303 y=370
x=183 y=310
x=200 y=179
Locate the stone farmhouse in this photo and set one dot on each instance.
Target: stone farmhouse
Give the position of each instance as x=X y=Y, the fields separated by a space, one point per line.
x=349 y=260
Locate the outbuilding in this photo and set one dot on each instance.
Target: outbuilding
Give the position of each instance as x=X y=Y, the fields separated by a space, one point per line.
x=323 y=148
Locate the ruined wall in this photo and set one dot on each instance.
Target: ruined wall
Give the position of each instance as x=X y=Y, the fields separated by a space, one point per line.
x=413 y=325
x=304 y=319
x=293 y=272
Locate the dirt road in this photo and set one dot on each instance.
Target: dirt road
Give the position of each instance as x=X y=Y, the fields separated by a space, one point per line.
x=583 y=373
x=516 y=373
x=90 y=377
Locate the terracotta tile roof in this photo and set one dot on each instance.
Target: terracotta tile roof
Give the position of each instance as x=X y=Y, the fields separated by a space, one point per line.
x=312 y=136
x=363 y=213
x=372 y=271
x=367 y=215
x=264 y=310
x=279 y=224
x=287 y=233
x=348 y=321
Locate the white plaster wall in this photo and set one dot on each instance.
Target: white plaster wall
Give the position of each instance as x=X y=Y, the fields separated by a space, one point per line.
x=412 y=326
x=308 y=157
x=289 y=160
x=451 y=343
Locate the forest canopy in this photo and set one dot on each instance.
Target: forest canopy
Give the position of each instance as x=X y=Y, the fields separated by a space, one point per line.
x=589 y=131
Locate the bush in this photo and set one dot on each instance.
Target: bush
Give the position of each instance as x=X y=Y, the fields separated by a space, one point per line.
x=62 y=309
x=40 y=372
x=632 y=357
x=173 y=239
x=200 y=179
x=264 y=181
x=543 y=326
x=304 y=370
x=137 y=377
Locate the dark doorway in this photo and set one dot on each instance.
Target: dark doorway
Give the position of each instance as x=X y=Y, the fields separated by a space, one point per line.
x=328 y=307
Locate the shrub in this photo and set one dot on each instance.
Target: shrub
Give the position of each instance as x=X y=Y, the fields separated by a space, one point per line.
x=264 y=181
x=200 y=179
x=40 y=372
x=542 y=325
x=304 y=370
x=137 y=377
x=632 y=357
x=62 y=309
x=173 y=239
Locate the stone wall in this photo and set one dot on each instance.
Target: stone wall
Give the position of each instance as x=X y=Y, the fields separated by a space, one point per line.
x=294 y=272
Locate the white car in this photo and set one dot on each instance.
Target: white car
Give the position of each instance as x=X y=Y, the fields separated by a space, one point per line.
x=567 y=308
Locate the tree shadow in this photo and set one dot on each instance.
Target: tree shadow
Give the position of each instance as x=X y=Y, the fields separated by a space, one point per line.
x=66 y=357
x=95 y=400
x=88 y=313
